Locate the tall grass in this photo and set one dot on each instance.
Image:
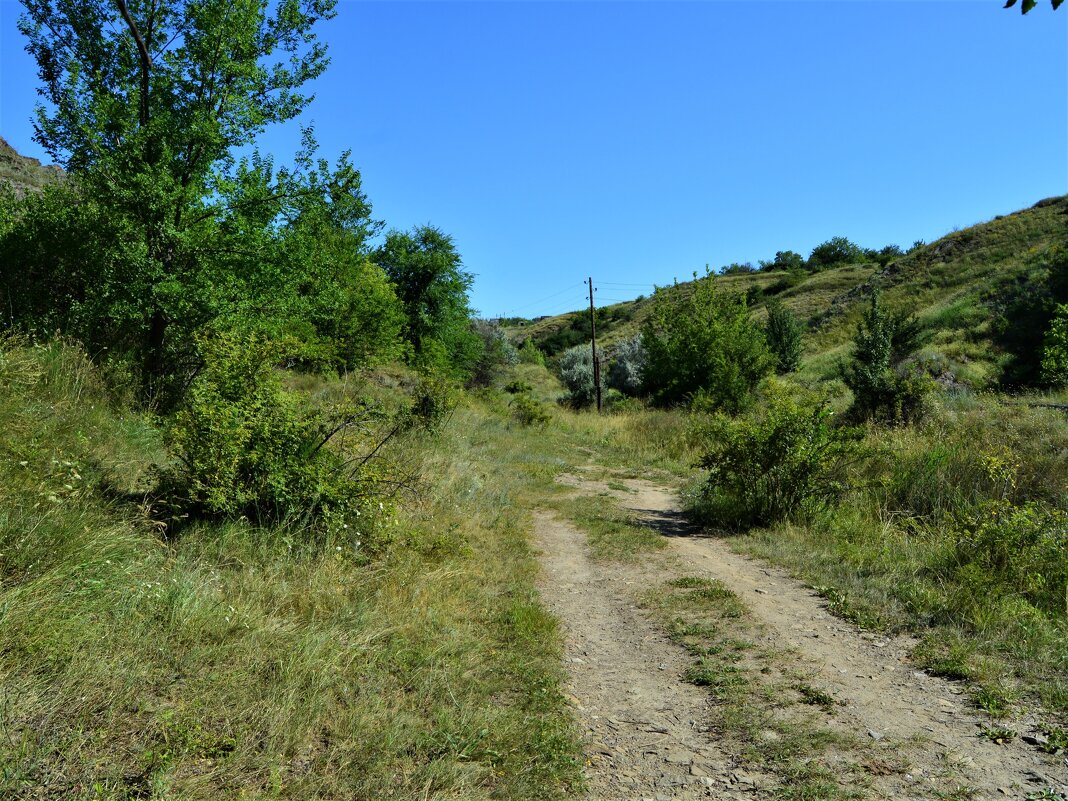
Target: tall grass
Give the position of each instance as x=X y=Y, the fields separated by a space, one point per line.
x=237 y=661
x=957 y=532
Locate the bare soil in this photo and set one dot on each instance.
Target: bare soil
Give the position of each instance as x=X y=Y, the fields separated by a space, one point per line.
x=648 y=731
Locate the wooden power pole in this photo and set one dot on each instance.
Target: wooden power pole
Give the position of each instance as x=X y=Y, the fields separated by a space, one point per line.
x=593 y=344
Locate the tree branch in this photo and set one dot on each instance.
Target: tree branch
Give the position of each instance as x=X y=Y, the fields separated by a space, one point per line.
x=143 y=55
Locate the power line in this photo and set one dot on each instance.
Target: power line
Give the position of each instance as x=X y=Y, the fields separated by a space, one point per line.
x=550 y=297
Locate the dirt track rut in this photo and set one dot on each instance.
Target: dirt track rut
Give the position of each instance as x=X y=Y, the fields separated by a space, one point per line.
x=648 y=731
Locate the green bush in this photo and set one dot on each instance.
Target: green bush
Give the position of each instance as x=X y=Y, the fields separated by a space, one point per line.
x=783 y=333
x=1016 y=551
x=885 y=387
x=434 y=401
x=836 y=250
x=246 y=447
x=1055 y=352
x=529 y=353
x=528 y=411
x=783 y=461
x=498 y=354
x=703 y=346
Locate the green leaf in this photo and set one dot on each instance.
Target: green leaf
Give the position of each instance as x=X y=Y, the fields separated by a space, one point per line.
x=1056 y=4
x=1010 y=4
x=1028 y=5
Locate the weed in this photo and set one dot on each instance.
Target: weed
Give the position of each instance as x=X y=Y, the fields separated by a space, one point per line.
x=816 y=697
x=997 y=734
x=1056 y=741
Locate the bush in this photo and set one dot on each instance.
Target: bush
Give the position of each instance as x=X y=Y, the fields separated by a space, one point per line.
x=883 y=386
x=785 y=461
x=1055 y=352
x=434 y=402
x=1018 y=551
x=625 y=371
x=703 y=344
x=528 y=411
x=529 y=354
x=784 y=260
x=576 y=371
x=783 y=333
x=835 y=251
x=517 y=387
x=498 y=353
x=246 y=447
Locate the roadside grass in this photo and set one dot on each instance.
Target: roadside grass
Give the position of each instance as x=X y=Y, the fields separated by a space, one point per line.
x=899 y=554
x=766 y=714
x=240 y=662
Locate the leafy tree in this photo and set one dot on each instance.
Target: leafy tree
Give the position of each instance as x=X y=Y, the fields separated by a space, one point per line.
x=703 y=345
x=836 y=250
x=1027 y=5
x=883 y=387
x=784 y=260
x=783 y=334
x=146 y=103
x=430 y=281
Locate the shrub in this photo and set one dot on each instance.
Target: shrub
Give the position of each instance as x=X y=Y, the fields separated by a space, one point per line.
x=786 y=460
x=529 y=353
x=836 y=250
x=784 y=260
x=528 y=411
x=517 y=387
x=1055 y=352
x=625 y=371
x=498 y=353
x=1017 y=551
x=783 y=334
x=883 y=386
x=246 y=447
x=576 y=371
x=703 y=343
x=433 y=403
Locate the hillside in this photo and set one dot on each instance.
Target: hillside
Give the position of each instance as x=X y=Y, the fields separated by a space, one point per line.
x=957 y=286
x=24 y=173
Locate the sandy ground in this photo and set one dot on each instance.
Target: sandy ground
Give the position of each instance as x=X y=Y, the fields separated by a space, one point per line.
x=648 y=731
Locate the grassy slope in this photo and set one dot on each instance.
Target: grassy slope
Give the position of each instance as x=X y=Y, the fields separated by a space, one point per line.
x=25 y=174
x=949 y=284
x=235 y=663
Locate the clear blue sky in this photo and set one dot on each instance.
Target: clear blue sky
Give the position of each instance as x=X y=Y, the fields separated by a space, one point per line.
x=638 y=141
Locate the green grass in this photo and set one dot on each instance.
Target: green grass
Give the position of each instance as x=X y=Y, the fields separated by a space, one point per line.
x=237 y=661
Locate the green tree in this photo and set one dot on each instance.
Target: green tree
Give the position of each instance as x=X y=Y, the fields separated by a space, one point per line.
x=836 y=250
x=146 y=102
x=883 y=387
x=430 y=281
x=783 y=334
x=702 y=345
x=1027 y=5
x=784 y=260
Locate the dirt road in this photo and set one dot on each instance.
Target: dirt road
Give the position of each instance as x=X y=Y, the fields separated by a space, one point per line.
x=649 y=733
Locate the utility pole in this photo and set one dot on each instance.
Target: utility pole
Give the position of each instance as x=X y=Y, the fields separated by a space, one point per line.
x=593 y=344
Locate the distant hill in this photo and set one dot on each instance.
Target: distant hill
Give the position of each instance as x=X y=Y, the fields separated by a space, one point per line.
x=956 y=286
x=24 y=173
